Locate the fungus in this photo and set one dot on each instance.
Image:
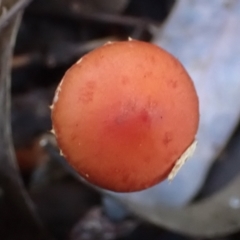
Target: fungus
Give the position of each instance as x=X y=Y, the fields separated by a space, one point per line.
x=126 y=115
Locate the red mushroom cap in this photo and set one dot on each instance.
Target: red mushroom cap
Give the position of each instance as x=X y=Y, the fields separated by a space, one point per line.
x=124 y=114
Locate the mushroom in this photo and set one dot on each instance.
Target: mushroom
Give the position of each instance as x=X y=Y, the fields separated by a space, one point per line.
x=125 y=116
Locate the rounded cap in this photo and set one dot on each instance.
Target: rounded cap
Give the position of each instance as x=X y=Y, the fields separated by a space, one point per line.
x=124 y=114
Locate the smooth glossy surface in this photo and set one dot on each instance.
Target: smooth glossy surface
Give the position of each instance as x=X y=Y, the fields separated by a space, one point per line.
x=124 y=114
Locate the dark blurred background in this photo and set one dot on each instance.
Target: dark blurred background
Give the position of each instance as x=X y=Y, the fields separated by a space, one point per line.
x=52 y=36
